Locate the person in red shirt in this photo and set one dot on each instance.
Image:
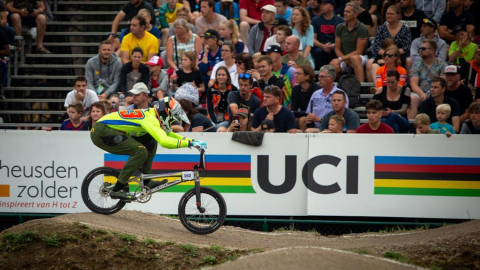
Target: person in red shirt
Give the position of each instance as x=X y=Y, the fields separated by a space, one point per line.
x=374 y=125
x=250 y=14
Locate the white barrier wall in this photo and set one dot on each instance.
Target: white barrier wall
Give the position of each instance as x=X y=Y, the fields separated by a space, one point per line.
x=427 y=176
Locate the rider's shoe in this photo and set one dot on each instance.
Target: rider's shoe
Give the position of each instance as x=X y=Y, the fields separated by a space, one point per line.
x=153 y=184
x=122 y=195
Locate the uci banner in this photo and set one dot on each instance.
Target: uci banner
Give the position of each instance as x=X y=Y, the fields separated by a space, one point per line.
x=426 y=176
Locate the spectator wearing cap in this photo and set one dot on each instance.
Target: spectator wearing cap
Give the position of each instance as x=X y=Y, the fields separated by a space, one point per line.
x=437 y=97
x=282 y=71
x=139 y=94
x=470 y=74
x=321 y=101
x=250 y=15
x=138 y=38
x=324 y=33
x=283 y=10
x=313 y=8
x=267 y=78
x=158 y=78
x=272 y=110
x=267 y=126
x=229 y=9
x=132 y=73
x=421 y=75
x=294 y=56
x=103 y=72
x=242 y=122
x=243 y=99
x=458 y=91
x=351 y=39
x=302 y=92
x=429 y=26
x=209 y=19
x=412 y=17
x=302 y=28
x=433 y=9
x=462 y=49
x=211 y=54
x=187 y=96
x=263 y=30
x=456 y=15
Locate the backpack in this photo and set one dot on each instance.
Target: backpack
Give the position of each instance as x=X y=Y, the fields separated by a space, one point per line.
x=351 y=86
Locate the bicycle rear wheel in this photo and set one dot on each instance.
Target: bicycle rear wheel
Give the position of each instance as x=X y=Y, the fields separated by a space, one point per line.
x=210 y=220
x=96 y=189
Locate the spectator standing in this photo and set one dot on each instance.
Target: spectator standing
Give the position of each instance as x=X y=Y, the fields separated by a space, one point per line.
x=183 y=41
x=243 y=99
x=470 y=73
x=412 y=17
x=81 y=94
x=283 y=10
x=302 y=92
x=228 y=56
x=129 y=10
x=74 y=121
x=432 y=9
x=392 y=62
x=98 y=110
x=391 y=29
x=351 y=39
x=351 y=121
x=211 y=54
x=283 y=118
x=455 y=16
x=103 y=72
x=209 y=19
x=429 y=26
x=472 y=126
x=229 y=10
x=9 y=31
x=324 y=33
x=294 y=56
x=28 y=13
x=437 y=97
x=138 y=37
x=302 y=28
x=458 y=91
x=374 y=125
x=321 y=101
x=158 y=78
x=250 y=15
x=167 y=14
x=422 y=73
x=132 y=73
x=229 y=33
x=462 y=49
x=395 y=100
x=262 y=31
x=182 y=13
x=217 y=98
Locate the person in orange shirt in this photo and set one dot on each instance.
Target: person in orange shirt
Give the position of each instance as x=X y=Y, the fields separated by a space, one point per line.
x=392 y=62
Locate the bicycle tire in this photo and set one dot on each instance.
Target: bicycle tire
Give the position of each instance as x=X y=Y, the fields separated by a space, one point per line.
x=202 y=223
x=95 y=196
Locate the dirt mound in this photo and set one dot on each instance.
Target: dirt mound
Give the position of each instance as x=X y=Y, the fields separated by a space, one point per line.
x=83 y=235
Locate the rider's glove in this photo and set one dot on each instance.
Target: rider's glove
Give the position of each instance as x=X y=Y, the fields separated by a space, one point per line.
x=199 y=144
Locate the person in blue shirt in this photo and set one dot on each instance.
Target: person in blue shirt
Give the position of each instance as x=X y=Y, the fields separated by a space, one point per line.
x=283 y=10
x=211 y=54
x=229 y=9
x=443 y=112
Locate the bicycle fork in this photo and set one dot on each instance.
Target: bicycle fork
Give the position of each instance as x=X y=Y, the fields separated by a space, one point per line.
x=197 y=194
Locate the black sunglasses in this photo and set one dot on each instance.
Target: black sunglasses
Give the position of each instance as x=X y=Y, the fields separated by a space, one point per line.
x=389 y=55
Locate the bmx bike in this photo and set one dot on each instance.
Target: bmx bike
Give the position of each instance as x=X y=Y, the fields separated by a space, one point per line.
x=201 y=210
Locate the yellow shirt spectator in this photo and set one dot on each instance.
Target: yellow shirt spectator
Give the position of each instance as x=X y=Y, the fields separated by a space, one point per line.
x=149 y=45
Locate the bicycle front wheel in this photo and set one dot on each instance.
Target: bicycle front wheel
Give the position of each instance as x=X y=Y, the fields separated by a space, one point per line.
x=96 y=189
x=211 y=219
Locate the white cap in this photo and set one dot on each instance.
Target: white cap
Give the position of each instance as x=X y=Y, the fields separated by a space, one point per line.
x=270 y=8
x=139 y=88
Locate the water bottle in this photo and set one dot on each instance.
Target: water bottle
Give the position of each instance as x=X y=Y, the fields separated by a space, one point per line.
x=114 y=106
x=122 y=102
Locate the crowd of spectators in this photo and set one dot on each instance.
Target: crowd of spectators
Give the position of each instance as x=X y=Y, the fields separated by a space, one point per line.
x=252 y=61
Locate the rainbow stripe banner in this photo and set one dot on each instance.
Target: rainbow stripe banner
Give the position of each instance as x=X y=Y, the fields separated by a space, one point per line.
x=427 y=176
x=225 y=173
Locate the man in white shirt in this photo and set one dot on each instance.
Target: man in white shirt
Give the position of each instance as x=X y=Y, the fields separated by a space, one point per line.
x=81 y=94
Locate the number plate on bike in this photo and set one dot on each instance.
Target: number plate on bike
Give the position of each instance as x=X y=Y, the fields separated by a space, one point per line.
x=188 y=175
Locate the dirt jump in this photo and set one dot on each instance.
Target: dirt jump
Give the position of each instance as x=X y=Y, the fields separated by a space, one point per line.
x=136 y=240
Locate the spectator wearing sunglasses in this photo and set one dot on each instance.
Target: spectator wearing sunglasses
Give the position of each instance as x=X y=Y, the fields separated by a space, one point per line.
x=244 y=97
x=429 y=26
x=392 y=62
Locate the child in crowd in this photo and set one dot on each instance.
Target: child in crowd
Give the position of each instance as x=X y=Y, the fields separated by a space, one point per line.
x=335 y=124
x=443 y=112
x=75 y=111
x=374 y=125
x=422 y=124
x=472 y=126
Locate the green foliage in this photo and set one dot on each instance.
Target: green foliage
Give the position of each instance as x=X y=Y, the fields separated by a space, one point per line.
x=81 y=225
x=190 y=250
x=209 y=260
x=100 y=231
x=149 y=241
x=233 y=256
x=396 y=256
x=53 y=240
x=127 y=237
x=219 y=250
x=14 y=241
